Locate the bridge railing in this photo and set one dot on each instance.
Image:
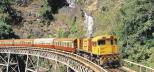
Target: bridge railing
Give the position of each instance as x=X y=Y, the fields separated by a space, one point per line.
x=137 y=67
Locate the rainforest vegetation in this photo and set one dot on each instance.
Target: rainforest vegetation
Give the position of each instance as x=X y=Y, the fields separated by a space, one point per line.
x=136 y=30
x=132 y=21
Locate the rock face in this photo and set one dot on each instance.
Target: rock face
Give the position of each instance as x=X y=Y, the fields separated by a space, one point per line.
x=89 y=5
x=92 y=5
x=88 y=14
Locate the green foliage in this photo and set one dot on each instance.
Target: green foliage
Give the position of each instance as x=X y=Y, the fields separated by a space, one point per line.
x=13 y=17
x=62 y=34
x=135 y=29
x=105 y=17
x=5 y=30
x=46 y=12
x=7 y=13
x=81 y=2
x=1 y=6
x=73 y=28
x=150 y=62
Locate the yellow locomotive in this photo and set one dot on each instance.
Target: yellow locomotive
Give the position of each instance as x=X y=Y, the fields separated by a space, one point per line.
x=102 y=50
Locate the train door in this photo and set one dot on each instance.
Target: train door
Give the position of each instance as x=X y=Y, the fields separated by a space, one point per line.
x=89 y=45
x=95 y=49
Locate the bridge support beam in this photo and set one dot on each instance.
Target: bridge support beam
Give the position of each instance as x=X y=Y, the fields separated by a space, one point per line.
x=9 y=63
x=33 y=64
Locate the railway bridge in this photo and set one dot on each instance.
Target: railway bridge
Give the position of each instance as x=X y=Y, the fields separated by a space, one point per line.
x=9 y=62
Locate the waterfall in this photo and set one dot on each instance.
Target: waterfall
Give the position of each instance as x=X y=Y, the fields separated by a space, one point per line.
x=71 y=3
x=89 y=22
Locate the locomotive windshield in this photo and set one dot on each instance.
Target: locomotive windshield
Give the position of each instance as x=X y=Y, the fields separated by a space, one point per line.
x=101 y=42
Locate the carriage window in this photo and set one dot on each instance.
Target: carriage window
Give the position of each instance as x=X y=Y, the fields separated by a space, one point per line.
x=71 y=45
x=21 y=42
x=68 y=44
x=55 y=43
x=44 y=43
x=59 y=43
x=24 y=42
x=63 y=44
x=101 y=42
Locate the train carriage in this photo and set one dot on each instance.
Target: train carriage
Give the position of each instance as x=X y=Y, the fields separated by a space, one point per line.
x=23 y=42
x=6 y=42
x=44 y=42
x=66 y=44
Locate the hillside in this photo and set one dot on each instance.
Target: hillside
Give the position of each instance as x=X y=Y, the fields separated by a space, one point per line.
x=132 y=21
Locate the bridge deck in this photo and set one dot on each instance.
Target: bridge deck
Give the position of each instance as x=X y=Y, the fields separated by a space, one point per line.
x=84 y=64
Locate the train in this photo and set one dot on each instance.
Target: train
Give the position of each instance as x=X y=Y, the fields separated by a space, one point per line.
x=102 y=50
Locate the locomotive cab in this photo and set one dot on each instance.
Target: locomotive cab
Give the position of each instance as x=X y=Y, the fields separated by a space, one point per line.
x=103 y=45
x=106 y=49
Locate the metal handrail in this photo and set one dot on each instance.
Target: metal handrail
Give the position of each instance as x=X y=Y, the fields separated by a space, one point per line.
x=139 y=65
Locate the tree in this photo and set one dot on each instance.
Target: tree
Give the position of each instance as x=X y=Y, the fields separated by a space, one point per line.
x=46 y=12
x=73 y=28
x=135 y=27
x=5 y=30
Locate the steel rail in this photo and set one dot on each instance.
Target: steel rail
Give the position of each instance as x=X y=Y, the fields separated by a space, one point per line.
x=75 y=62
